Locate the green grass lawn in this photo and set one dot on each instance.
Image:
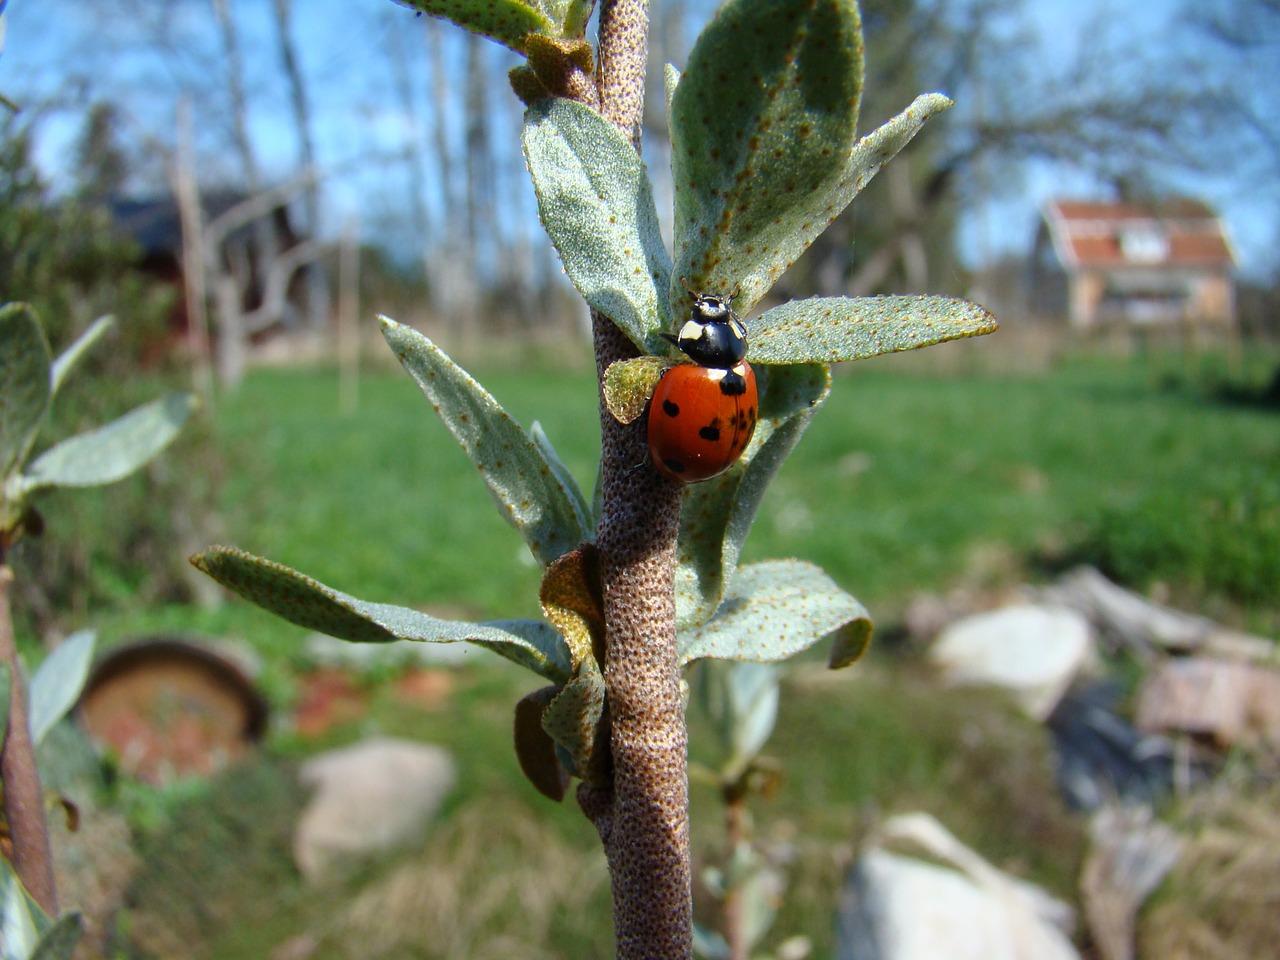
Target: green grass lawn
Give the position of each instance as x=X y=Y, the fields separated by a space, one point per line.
x=905 y=482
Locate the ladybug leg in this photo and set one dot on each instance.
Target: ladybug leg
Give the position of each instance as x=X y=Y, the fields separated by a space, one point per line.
x=646 y=462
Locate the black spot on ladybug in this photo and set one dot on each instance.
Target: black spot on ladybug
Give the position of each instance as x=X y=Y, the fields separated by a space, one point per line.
x=675 y=466
x=710 y=433
x=733 y=384
x=671 y=408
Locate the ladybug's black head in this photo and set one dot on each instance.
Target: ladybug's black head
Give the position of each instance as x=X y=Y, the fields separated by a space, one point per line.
x=713 y=336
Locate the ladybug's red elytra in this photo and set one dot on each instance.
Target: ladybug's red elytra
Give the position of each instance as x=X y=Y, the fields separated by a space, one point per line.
x=703 y=414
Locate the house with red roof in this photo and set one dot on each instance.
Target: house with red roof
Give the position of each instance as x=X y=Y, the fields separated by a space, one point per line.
x=1099 y=263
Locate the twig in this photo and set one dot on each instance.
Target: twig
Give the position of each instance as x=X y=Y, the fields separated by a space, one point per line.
x=23 y=795
x=643 y=818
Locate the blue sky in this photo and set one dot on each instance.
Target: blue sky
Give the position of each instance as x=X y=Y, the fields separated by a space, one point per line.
x=357 y=112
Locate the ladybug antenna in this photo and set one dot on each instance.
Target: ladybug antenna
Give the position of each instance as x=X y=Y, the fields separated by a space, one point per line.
x=684 y=282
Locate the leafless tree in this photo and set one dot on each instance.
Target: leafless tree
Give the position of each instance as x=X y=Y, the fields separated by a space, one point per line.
x=300 y=107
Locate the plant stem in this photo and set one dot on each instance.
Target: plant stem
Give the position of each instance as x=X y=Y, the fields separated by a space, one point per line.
x=643 y=822
x=23 y=795
x=735 y=823
x=643 y=817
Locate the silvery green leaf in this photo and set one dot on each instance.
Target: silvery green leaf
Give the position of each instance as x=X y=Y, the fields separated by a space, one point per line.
x=596 y=205
x=753 y=693
x=761 y=892
x=548 y=450
x=553 y=10
x=506 y=21
x=716 y=516
x=525 y=486
x=57 y=683
x=776 y=609
x=573 y=16
x=670 y=80
x=22 y=921
x=112 y=452
x=24 y=384
x=884 y=143
x=60 y=940
x=69 y=357
x=831 y=329
x=573 y=721
x=762 y=125
x=741 y=700
x=309 y=603
x=753 y=261
x=710 y=943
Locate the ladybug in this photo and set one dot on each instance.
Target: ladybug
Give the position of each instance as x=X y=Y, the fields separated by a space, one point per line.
x=703 y=414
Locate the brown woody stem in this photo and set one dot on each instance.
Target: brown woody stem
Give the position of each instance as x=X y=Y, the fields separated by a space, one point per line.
x=643 y=817
x=23 y=796
x=735 y=821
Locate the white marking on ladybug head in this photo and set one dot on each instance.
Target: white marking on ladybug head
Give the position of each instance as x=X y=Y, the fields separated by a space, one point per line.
x=692 y=330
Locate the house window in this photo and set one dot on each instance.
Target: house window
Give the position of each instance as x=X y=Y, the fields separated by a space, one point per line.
x=1144 y=245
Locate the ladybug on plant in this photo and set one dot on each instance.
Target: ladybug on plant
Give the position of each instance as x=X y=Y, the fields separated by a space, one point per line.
x=703 y=414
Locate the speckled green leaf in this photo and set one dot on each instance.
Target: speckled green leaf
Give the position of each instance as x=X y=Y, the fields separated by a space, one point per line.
x=752 y=264
x=596 y=205
x=762 y=124
x=23 y=925
x=69 y=357
x=60 y=940
x=881 y=145
x=740 y=228
x=776 y=609
x=548 y=451
x=56 y=685
x=670 y=80
x=574 y=721
x=532 y=496
x=112 y=452
x=710 y=944
x=571 y=601
x=716 y=516
x=741 y=701
x=830 y=329
x=553 y=10
x=24 y=383
x=535 y=750
x=628 y=385
x=506 y=21
x=309 y=603
x=569 y=16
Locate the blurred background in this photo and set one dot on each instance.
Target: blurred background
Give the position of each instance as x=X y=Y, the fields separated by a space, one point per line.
x=402 y=134
x=246 y=184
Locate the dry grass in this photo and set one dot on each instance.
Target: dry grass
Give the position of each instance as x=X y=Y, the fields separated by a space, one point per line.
x=1222 y=900
x=493 y=882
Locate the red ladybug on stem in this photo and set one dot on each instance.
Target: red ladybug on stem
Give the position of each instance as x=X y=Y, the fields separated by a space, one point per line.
x=703 y=414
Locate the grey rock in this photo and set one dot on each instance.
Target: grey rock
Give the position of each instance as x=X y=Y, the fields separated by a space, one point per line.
x=369 y=797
